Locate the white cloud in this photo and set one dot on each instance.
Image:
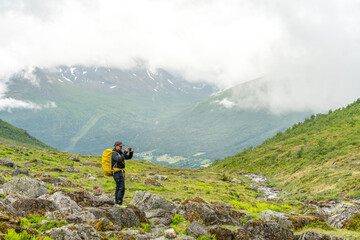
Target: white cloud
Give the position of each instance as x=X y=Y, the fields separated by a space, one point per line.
x=309 y=50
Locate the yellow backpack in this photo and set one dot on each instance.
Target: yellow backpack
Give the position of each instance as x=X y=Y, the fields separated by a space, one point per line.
x=106 y=162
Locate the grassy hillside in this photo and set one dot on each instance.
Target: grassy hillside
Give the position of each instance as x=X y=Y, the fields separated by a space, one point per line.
x=318 y=159
x=13 y=135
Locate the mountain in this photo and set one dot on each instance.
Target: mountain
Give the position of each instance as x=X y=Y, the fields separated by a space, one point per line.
x=85 y=109
x=222 y=125
x=13 y=135
x=314 y=160
x=166 y=119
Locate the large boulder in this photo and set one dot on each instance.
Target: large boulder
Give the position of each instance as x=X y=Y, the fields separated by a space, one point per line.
x=341 y=213
x=85 y=199
x=7 y=162
x=28 y=206
x=197 y=229
x=73 y=232
x=146 y=201
x=222 y=233
x=71 y=216
x=122 y=217
x=197 y=209
x=289 y=221
x=160 y=216
x=260 y=230
x=25 y=186
x=318 y=236
x=62 y=202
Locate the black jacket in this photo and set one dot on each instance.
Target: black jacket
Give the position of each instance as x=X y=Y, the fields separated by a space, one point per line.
x=118 y=158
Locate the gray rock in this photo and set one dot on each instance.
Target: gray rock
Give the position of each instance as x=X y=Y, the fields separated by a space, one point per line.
x=157 y=230
x=260 y=230
x=122 y=217
x=197 y=229
x=199 y=210
x=356 y=163
x=7 y=162
x=28 y=206
x=18 y=172
x=342 y=213
x=71 y=170
x=160 y=216
x=71 y=215
x=318 y=236
x=62 y=202
x=146 y=201
x=221 y=233
x=153 y=182
x=74 y=158
x=184 y=237
x=25 y=186
x=278 y=217
x=2 y=181
x=73 y=232
x=160 y=177
x=170 y=233
x=134 y=178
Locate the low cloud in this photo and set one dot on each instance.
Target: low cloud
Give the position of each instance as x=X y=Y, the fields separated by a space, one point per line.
x=8 y=104
x=307 y=51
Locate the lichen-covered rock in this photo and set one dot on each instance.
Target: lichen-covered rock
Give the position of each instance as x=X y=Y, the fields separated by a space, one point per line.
x=317 y=236
x=289 y=221
x=221 y=233
x=197 y=209
x=146 y=201
x=71 y=215
x=28 y=206
x=103 y=224
x=7 y=162
x=153 y=182
x=184 y=237
x=17 y=172
x=160 y=216
x=62 y=202
x=341 y=213
x=73 y=232
x=85 y=199
x=140 y=214
x=4 y=226
x=8 y=214
x=197 y=229
x=122 y=217
x=260 y=230
x=25 y=186
x=160 y=177
x=319 y=213
x=74 y=158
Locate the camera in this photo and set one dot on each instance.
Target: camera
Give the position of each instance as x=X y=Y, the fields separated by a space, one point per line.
x=130 y=149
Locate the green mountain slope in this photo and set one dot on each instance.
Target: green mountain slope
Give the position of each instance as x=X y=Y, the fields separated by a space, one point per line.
x=220 y=126
x=318 y=159
x=13 y=135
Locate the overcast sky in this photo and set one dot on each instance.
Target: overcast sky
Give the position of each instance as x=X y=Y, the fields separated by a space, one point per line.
x=309 y=50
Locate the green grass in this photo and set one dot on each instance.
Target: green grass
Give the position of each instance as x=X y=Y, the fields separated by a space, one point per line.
x=310 y=160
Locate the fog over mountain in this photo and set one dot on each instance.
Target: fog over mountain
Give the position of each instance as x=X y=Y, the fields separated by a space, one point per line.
x=307 y=50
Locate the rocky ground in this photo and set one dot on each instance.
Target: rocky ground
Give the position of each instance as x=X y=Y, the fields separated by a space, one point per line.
x=149 y=216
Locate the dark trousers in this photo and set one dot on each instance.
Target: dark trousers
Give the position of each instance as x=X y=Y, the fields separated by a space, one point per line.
x=120 y=187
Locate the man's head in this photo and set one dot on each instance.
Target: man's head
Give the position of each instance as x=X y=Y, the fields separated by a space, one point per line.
x=118 y=145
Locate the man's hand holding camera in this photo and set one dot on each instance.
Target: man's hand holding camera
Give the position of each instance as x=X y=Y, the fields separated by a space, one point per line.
x=129 y=150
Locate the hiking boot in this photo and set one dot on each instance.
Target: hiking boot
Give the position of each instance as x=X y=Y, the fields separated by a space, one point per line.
x=122 y=206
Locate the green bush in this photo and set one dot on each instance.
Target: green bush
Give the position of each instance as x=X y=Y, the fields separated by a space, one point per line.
x=177 y=219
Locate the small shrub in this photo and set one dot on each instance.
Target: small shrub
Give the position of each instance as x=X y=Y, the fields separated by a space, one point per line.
x=177 y=219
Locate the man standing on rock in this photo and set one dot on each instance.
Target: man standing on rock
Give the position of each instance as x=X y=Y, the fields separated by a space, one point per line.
x=118 y=165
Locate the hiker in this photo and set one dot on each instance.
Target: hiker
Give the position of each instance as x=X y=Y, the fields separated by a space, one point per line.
x=118 y=165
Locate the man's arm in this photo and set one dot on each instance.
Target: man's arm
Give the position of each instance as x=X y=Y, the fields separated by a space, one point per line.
x=128 y=155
